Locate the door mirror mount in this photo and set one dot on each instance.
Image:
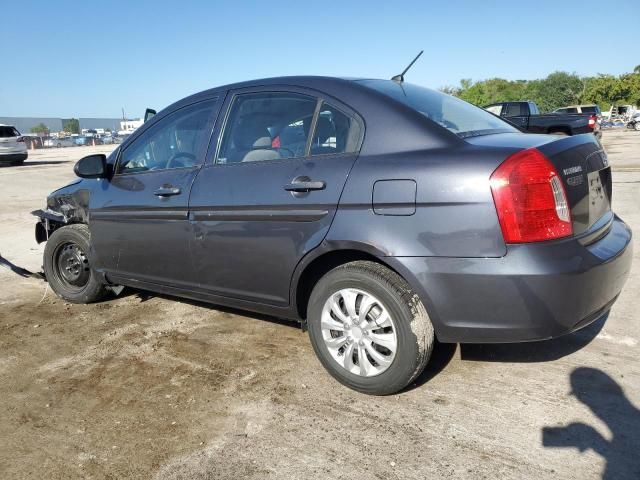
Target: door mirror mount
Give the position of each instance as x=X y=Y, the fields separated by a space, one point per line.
x=91 y=166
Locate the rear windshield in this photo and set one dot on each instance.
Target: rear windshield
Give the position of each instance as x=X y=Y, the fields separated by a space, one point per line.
x=6 y=132
x=457 y=116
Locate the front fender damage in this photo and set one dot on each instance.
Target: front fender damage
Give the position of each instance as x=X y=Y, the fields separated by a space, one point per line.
x=63 y=208
x=66 y=207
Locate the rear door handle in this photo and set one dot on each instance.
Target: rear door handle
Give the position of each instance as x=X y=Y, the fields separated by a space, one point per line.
x=304 y=186
x=167 y=191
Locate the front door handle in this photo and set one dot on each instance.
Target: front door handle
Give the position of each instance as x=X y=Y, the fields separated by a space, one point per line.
x=304 y=187
x=167 y=191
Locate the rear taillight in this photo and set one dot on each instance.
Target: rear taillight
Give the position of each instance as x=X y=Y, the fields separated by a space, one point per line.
x=530 y=199
x=20 y=139
x=592 y=121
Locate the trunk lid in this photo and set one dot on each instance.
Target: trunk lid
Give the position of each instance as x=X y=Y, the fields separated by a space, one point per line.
x=584 y=168
x=581 y=163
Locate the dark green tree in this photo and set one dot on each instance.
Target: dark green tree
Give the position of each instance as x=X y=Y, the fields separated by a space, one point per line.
x=40 y=129
x=71 y=126
x=558 y=89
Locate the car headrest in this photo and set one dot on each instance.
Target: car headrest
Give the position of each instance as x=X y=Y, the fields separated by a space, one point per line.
x=249 y=134
x=262 y=142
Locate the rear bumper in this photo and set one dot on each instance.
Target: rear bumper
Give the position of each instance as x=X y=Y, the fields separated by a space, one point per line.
x=13 y=157
x=534 y=292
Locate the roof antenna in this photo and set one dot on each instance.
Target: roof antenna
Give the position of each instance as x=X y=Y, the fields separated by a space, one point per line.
x=400 y=78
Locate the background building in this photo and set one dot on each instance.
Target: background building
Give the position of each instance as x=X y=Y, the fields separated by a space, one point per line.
x=25 y=124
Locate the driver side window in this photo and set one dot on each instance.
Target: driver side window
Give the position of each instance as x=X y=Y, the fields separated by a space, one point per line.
x=174 y=142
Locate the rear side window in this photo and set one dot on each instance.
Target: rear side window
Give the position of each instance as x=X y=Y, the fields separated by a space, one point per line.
x=7 y=132
x=267 y=126
x=457 y=116
x=335 y=132
x=515 y=110
x=571 y=110
x=593 y=110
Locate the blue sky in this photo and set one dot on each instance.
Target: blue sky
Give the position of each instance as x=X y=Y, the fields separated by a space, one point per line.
x=81 y=59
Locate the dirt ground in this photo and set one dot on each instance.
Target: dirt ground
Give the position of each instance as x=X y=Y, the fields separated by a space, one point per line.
x=148 y=387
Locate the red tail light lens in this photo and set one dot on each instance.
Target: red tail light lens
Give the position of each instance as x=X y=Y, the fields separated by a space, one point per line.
x=530 y=199
x=592 y=121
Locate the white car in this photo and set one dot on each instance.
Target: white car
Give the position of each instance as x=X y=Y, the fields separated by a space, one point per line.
x=59 y=142
x=13 y=150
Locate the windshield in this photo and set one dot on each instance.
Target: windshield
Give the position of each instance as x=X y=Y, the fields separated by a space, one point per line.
x=457 y=116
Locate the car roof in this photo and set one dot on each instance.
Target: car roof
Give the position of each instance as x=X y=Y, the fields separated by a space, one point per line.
x=305 y=81
x=376 y=109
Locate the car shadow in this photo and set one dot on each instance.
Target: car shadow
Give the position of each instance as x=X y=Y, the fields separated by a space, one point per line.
x=145 y=296
x=30 y=163
x=441 y=356
x=442 y=353
x=607 y=400
x=529 y=352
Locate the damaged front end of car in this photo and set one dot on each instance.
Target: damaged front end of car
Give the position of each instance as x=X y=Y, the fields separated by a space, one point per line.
x=63 y=208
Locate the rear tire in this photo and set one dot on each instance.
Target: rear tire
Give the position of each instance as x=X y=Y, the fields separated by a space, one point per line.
x=67 y=268
x=380 y=343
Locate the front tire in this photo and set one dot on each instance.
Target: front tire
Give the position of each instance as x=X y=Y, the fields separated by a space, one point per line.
x=369 y=329
x=67 y=268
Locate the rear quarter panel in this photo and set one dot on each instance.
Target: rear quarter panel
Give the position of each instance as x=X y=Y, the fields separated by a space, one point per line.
x=454 y=214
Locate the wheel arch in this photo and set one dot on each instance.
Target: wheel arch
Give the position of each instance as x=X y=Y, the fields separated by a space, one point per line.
x=327 y=257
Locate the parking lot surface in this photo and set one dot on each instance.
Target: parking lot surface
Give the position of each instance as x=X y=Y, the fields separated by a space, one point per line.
x=143 y=386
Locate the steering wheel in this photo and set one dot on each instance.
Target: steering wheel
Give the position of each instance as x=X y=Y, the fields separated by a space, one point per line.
x=190 y=156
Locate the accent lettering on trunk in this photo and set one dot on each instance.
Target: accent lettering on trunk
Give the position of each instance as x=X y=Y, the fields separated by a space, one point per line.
x=575 y=181
x=570 y=170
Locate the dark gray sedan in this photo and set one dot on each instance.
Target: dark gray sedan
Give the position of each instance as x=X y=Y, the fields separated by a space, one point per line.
x=380 y=214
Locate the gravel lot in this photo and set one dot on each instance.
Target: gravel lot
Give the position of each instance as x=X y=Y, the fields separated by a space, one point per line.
x=149 y=387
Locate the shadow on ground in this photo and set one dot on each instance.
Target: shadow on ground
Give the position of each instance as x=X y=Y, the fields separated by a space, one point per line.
x=144 y=296
x=30 y=163
x=606 y=399
x=34 y=163
x=443 y=353
x=543 y=351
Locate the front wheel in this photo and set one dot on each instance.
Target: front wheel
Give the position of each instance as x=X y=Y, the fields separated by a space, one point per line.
x=369 y=329
x=67 y=267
